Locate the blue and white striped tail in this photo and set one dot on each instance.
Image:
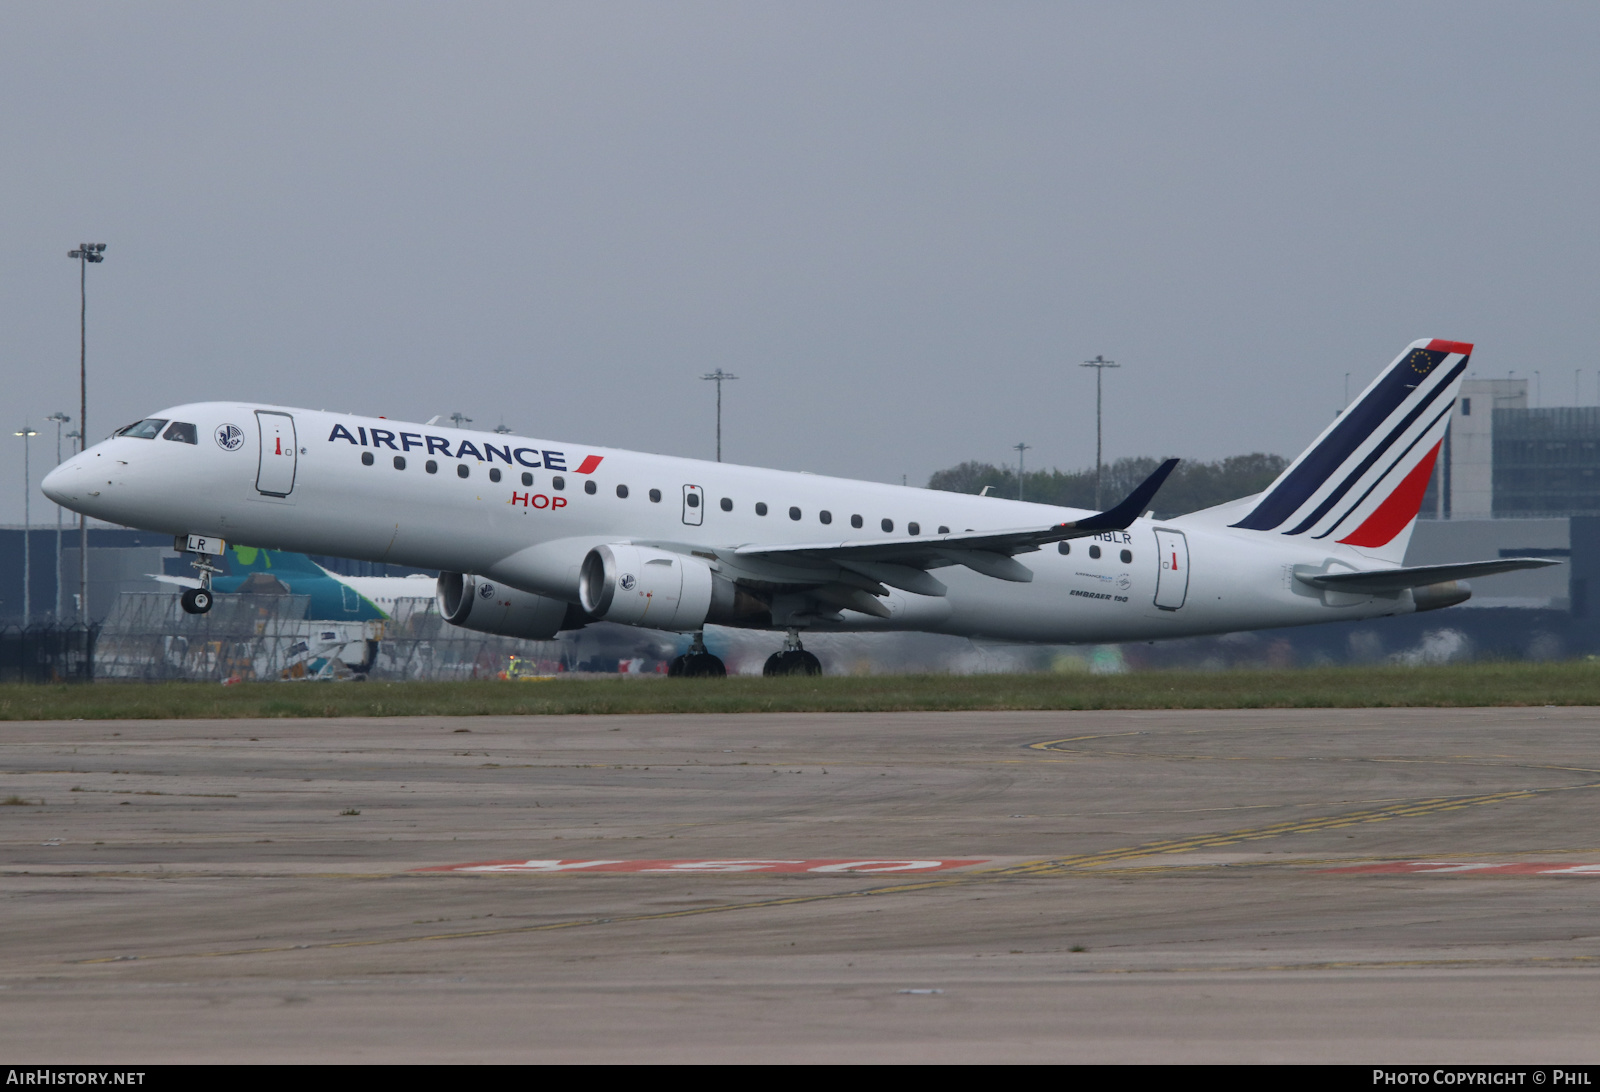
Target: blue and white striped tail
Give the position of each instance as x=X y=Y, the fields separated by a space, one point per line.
x=1361 y=483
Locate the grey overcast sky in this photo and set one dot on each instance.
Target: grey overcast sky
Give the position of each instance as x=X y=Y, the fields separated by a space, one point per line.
x=903 y=225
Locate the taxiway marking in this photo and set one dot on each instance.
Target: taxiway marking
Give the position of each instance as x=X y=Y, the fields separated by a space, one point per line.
x=826 y=866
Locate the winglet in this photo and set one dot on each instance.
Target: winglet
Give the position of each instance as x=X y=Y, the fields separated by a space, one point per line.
x=1135 y=505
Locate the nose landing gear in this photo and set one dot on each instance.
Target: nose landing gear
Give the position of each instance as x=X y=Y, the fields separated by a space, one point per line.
x=697 y=663
x=199 y=600
x=793 y=660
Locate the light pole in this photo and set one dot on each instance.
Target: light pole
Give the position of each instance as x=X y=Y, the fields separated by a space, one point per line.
x=1099 y=364
x=60 y=419
x=717 y=377
x=1019 y=449
x=460 y=419
x=27 y=433
x=85 y=254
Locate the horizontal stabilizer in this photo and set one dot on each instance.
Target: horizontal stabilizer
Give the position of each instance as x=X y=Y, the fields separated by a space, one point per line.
x=1387 y=581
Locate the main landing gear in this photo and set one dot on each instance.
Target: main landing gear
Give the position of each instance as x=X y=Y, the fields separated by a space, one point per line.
x=697 y=663
x=793 y=660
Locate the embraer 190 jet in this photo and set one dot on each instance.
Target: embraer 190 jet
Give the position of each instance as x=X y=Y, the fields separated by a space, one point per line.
x=534 y=536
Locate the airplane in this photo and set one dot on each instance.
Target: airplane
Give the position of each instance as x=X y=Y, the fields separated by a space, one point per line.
x=536 y=536
x=333 y=598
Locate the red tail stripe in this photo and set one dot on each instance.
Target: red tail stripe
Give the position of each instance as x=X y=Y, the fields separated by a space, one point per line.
x=1462 y=347
x=1401 y=507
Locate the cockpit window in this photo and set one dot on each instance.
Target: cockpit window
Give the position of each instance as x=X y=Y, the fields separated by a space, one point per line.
x=181 y=431
x=148 y=429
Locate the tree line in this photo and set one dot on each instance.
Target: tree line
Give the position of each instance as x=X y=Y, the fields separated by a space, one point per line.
x=1193 y=485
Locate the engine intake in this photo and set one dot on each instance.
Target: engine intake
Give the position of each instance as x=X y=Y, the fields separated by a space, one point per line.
x=659 y=589
x=474 y=603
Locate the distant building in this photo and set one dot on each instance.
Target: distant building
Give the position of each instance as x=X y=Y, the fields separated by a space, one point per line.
x=1503 y=459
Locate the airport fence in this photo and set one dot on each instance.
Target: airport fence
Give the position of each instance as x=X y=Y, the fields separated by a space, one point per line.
x=47 y=652
x=259 y=637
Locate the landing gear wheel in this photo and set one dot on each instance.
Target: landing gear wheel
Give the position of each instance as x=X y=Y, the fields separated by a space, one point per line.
x=792 y=662
x=196 y=600
x=697 y=665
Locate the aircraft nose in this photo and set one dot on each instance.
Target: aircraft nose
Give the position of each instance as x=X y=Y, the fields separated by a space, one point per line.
x=68 y=484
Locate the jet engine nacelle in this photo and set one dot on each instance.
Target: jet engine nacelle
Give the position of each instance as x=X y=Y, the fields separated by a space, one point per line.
x=474 y=603
x=640 y=586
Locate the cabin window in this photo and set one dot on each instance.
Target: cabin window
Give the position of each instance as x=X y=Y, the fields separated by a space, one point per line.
x=887 y=525
x=431 y=466
x=914 y=528
x=692 y=500
x=655 y=496
x=527 y=479
x=1063 y=547
x=399 y=462
x=558 y=483
x=761 y=508
x=727 y=504
x=494 y=473
x=794 y=513
x=366 y=458
x=855 y=521
x=943 y=530
x=1094 y=552
x=461 y=470
x=825 y=516
x=590 y=488
x=1127 y=557
x=181 y=431
x=622 y=492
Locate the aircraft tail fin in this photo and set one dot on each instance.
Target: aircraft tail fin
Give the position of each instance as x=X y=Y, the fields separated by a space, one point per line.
x=1361 y=483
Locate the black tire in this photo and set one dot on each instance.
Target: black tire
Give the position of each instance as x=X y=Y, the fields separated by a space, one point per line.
x=697 y=665
x=791 y=662
x=196 y=600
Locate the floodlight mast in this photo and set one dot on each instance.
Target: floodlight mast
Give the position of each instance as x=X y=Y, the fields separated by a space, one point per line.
x=27 y=433
x=1099 y=364
x=718 y=376
x=60 y=419
x=85 y=254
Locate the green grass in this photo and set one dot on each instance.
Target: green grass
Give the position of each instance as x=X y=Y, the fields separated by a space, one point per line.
x=1485 y=684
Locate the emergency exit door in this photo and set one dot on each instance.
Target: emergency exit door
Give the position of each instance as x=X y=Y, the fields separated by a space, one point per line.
x=275 y=475
x=1172 y=581
x=694 y=505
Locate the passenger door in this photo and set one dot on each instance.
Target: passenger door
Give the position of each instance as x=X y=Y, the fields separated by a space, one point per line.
x=1172 y=582
x=275 y=475
x=694 y=505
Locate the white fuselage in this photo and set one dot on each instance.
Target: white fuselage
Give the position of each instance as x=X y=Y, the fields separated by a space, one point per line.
x=534 y=536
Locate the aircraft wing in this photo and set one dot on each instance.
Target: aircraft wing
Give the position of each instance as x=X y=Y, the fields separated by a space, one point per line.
x=902 y=561
x=1383 y=581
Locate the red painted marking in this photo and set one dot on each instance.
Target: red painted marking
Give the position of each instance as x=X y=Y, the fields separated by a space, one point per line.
x=280 y=446
x=1462 y=347
x=590 y=462
x=1525 y=868
x=1174 y=560
x=1402 y=506
x=823 y=866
